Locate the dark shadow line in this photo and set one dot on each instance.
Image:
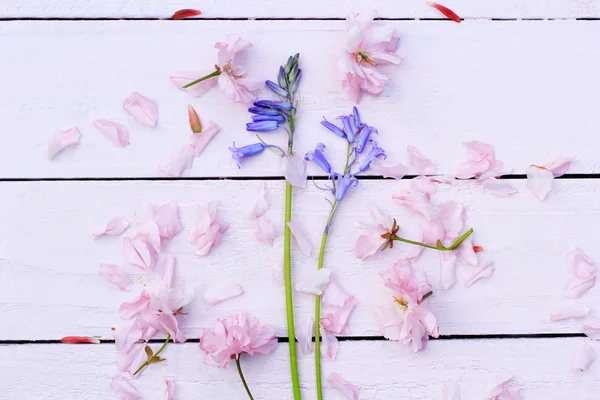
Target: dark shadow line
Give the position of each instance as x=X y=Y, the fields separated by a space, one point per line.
x=62 y=19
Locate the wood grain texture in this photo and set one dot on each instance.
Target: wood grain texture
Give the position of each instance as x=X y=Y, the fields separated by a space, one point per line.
x=381 y=370
x=528 y=87
x=50 y=286
x=291 y=9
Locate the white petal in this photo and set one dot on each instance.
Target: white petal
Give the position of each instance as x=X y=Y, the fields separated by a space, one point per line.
x=392 y=171
x=305 y=329
x=348 y=390
x=570 y=309
x=447 y=269
x=539 y=181
x=114 y=227
x=256 y=204
x=294 y=170
x=583 y=356
x=61 y=140
x=483 y=270
x=315 y=282
x=221 y=292
x=301 y=238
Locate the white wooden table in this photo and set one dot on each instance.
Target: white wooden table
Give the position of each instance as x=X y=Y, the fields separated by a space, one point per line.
x=520 y=75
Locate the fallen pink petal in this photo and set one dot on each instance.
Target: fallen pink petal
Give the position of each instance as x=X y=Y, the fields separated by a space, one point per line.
x=61 y=140
x=397 y=171
x=504 y=389
x=116 y=226
x=559 y=166
x=592 y=330
x=169 y=389
x=256 y=202
x=499 y=187
x=305 y=329
x=370 y=240
x=583 y=275
x=418 y=163
x=123 y=390
x=348 y=390
x=539 y=181
x=209 y=228
x=294 y=170
x=329 y=344
x=302 y=239
x=143 y=110
x=569 y=310
x=115 y=275
x=180 y=79
x=451 y=391
x=481 y=271
x=79 y=340
x=583 y=356
x=114 y=131
x=220 y=292
x=314 y=283
x=140 y=253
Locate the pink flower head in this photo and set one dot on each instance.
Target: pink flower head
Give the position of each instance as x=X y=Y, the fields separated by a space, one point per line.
x=235 y=335
x=411 y=285
x=368 y=45
x=370 y=241
x=483 y=165
x=208 y=229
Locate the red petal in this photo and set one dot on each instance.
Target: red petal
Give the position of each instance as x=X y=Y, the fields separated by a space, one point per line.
x=477 y=249
x=79 y=339
x=446 y=11
x=186 y=13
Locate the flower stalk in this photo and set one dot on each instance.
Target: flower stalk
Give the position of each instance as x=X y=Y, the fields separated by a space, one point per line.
x=154 y=358
x=211 y=75
x=239 y=368
x=439 y=246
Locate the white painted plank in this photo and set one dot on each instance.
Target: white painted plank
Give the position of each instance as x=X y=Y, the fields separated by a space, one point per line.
x=527 y=87
x=381 y=370
x=50 y=286
x=291 y=9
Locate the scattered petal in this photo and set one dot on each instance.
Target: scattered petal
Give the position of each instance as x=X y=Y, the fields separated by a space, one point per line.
x=499 y=187
x=446 y=11
x=301 y=238
x=592 y=330
x=256 y=203
x=568 y=310
x=208 y=229
x=169 y=389
x=559 y=166
x=179 y=161
x=61 y=140
x=265 y=232
x=502 y=389
x=419 y=164
x=583 y=356
x=199 y=141
x=315 y=282
x=447 y=269
x=166 y=217
x=294 y=170
x=336 y=321
x=79 y=340
x=394 y=171
x=123 y=389
x=348 y=390
x=115 y=275
x=195 y=124
x=305 y=328
x=114 y=227
x=451 y=391
x=583 y=275
x=222 y=291
x=143 y=110
x=180 y=79
x=114 y=131
x=186 y=13
x=483 y=270
x=539 y=181
x=329 y=344
x=334 y=295
x=140 y=253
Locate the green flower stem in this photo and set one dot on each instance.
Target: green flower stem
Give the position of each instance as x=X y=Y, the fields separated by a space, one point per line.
x=216 y=73
x=287 y=272
x=452 y=247
x=148 y=362
x=239 y=368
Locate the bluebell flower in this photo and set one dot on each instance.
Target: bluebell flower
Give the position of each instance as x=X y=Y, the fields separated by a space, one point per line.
x=357 y=122
x=238 y=153
x=275 y=88
x=349 y=127
x=276 y=118
x=296 y=81
x=262 y=126
x=281 y=77
x=363 y=137
x=279 y=105
x=263 y=111
x=333 y=128
x=318 y=157
x=342 y=184
x=376 y=152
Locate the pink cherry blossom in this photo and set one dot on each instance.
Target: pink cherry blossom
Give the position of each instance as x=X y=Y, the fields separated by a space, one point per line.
x=265 y=232
x=368 y=44
x=583 y=356
x=235 y=335
x=61 y=140
x=348 y=390
x=483 y=165
x=503 y=390
x=583 y=275
x=419 y=164
x=222 y=291
x=123 y=390
x=114 y=227
x=402 y=278
x=301 y=237
x=370 y=241
x=208 y=229
x=567 y=310
x=115 y=275
x=114 y=131
x=169 y=389
x=143 y=110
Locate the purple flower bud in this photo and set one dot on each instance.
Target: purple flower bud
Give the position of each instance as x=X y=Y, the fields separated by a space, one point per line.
x=333 y=128
x=319 y=158
x=357 y=122
x=363 y=137
x=262 y=126
x=376 y=152
x=280 y=105
x=263 y=111
x=342 y=184
x=275 y=88
x=349 y=127
x=281 y=77
x=296 y=81
x=238 y=153
x=277 y=118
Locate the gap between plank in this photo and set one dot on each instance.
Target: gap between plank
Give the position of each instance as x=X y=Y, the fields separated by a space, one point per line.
x=5 y=19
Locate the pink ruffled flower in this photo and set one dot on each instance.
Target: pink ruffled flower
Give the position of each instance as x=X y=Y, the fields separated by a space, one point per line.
x=583 y=275
x=368 y=44
x=231 y=78
x=407 y=319
x=208 y=229
x=235 y=335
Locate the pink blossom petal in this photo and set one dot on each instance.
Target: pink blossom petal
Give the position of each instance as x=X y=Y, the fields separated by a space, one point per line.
x=367 y=244
x=567 y=310
x=592 y=330
x=149 y=232
x=229 y=48
x=466 y=252
x=143 y=110
x=583 y=356
x=305 y=329
x=128 y=334
x=115 y=275
x=179 y=161
x=484 y=270
x=583 y=277
x=166 y=217
x=499 y=187
x=265 y=232
x=208 y=229
x=238 y=89
x=123 y=389
x=502 y=389
x=329 y=345
x=315 y=282
x=452 y=216
x=79 y=340
x=294 y=170
x=447 y=269
x=337 y=320
x=334 y=295
x=165 y=269
x=256 y=203
x=348 y=390
x=451 y=391
x=61 y=140
x=181 y=79
x=169 y=389
x=559 y=166
x=539 y=181
x=394 y=171
x=222 y=291
x=114 y=227
x=200 y=140
x=114 y=131
x=140 y=253
x=301 y=238
x=419 y=164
